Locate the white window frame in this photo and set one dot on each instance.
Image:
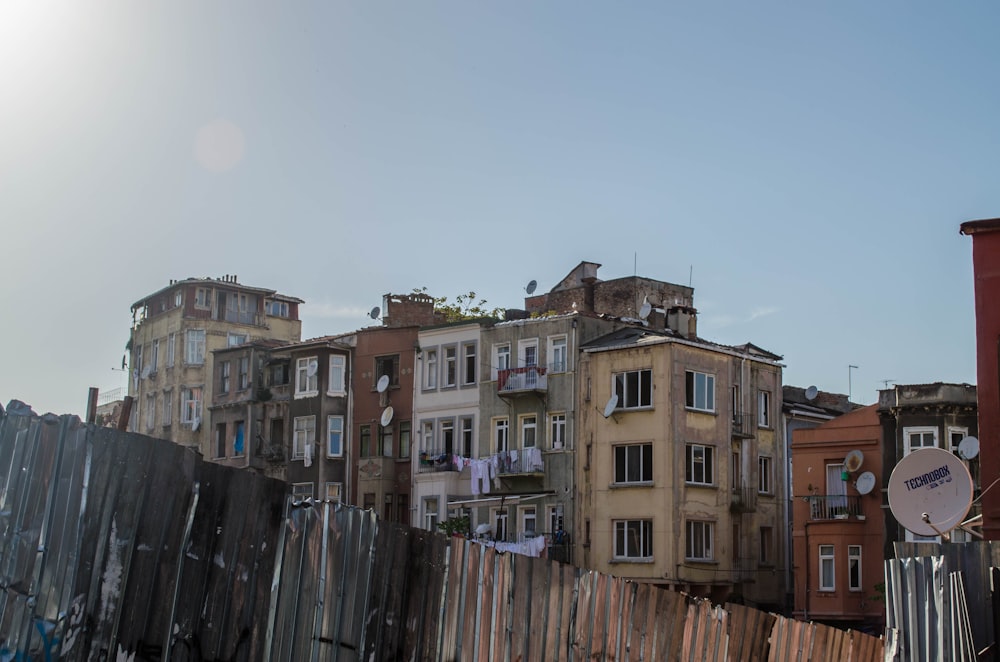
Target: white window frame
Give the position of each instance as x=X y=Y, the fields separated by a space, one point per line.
x=334 y=426
x=557 y=431
x=765 y=475
x=763 y=409
x=178 y=299
x=953 y=430
x=335 y=492
x=449 y=366
x=558 y=352
x=311 y=386
x=703 y=549
x=336 y=384
x=236 y=339
x=909 y=432
x=624 y=457
x=190 y=405
x=469 y=351
x=302 y=491
x=243 y=373
x=827 y=558
x=528 y=519
x=501 y=359
x=225 y=377
x=622 y=530
x=154 y=358
x=707 y=462
x=194 y=347
x=528 y=424
x=620 y=386
x=303 y=434
x=702 y=395
x=202 y=298
x=171 y=345
x=430 y=369
x=168 y=407
x=500 y=524
x=432 y=513
x=427 y=436
x=467 y=435
x=854 y=557
x=501 y=432
x=526 y=359
x=555 y=516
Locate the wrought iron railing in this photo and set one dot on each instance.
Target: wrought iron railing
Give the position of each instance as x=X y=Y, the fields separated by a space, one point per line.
x=744 y=499
x=834 y=506
x=743 y=424
x=524 y=461
x=436 y=460
x=529 y=378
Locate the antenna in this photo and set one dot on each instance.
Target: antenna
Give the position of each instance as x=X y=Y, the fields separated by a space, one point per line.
x=886 y=382
x=811 y=393
x=383 y=384
x=386 y=416
x=530 y=289
x=849 y=368
x=375 y=312
x=930 y=491
x=853 y=460
x=968 y=448
x=611 y=406
x=865 y=483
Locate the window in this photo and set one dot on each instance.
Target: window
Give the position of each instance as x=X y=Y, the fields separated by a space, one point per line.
x=385 y=447
x=826 y=569
x=766 y=545
x=633 y=539
x=529 y=425
x=201 y=298
x=501 y=358
x=557 y=430
x=557 y=354
x=171 y=343
x=234 y=339
x=220 y=440
x=700 y=465
x=698 y=543
x=139 y=353
x=365 y=435
x=633 y=464
x=501 y=432
x=427 y=437
x=244 y=374
x=450 y=373
x=763 y=409
x=634 y=389
x=499 y=517
x=854 y=567
x=224 y=377
x=555 y=518
x=334 y=492
x=764 y=474
x=955 y=437
x=279 y=374
x=403 y=509
x=303 y=437
x=154 y=358
x=194 y=347
x=469 y=364
x=276 y=308
x=404 y=439
x=336 y=383
x=150 y=411
x=302 y=491
x=467 y=436
x=238 y=439
x=387 y=509
x=369 y=501
x=168 y=408
x=306 y=382
x=529 y=520
x=919 y=437
x=178 y=299
x=836 y=488
x=430 y=369
x=700 y=389
x=190 y=404
x=430 y=514
x=334 y=436
x=448 y=435
x=388 y=366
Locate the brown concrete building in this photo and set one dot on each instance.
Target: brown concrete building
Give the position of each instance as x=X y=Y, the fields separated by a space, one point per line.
x=838 y=532
x=174 y=333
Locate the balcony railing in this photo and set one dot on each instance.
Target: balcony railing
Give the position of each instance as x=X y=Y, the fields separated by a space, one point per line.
x=744 y=569
x=525 y=461
x=436 y=460
x=744 y=499
x=834 y=506
x=251 y=317
x=529 y=378
x=743 y=424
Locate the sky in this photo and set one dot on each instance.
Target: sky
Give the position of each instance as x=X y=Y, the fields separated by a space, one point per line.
x=804 y=166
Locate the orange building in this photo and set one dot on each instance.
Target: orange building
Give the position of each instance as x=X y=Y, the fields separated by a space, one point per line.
x=837 y=531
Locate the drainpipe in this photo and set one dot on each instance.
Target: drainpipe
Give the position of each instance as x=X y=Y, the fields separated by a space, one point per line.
x=805 y=605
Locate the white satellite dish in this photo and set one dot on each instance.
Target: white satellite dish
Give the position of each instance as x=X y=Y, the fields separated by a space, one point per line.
x=530 y=289
x=811 y=393
x=383 y=383
x=645 y=310
x=854 y=460
x=611 y=406
x=312 y=368
x=930 y=491
x=195 y=424
x=865 y=483
x=145 y=372
x=968 y=448
x=386 y=416
x=375 y=312
x=482 y=528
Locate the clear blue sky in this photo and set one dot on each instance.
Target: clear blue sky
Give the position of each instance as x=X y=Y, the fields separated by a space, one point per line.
x=810 y=163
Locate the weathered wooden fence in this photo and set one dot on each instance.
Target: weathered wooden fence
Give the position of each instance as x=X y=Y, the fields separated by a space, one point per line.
x=120 y=546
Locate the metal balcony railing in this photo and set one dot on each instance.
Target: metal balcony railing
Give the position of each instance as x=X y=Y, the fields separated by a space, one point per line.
x=834 y=506
x=744 y=569
x=744 y=499
x=250 y=317
x=529 y=378
x=524 y=461
x=743 y=424
x=436 y=460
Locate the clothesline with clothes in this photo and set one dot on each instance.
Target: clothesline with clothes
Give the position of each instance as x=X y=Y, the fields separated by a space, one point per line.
x=534 y=547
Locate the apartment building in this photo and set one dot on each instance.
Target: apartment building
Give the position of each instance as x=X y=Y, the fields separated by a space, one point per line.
x=174 y=332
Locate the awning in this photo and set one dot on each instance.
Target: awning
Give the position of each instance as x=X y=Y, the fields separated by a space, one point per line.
x=498 y=500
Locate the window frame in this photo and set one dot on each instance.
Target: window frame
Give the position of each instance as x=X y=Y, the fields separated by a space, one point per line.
x=854 y=553
x=621 y=459
x=470 y=365
x=766 y=546
x=380 y=363
x=909 y=432
x=167 y=412
x=557 y=431
x=302 y=372
x=763 y=409
x=706 y=545
x=430 y=368
x=528 y=423
x=765 y=474
x=171 y=349
x=502 y=349
x=620 y=387
x=243 y=373
x=449 y=366
x=338 y=491
x=337 y=375
x=191 y=405
x=302 y=437
x=829 y=559
x=225 y=377
x=621 y=530
x=405 y=433
x=467 y=435
x=194 y=348
x=497 y=424
x=707 y=460
x=331 y=419
x=558 y=345
x=692 y=391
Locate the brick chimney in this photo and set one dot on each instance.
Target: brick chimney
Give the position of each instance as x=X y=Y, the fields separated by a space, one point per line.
x=409 y=310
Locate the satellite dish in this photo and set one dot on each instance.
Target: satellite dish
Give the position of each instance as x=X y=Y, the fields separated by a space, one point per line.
x=145 y=372
x=854 y=460
x=386 y=416
x=645 y=310
x=482 y=528
x=611 y=406
x=865 y=483
x=530 y=289
x=934 y=483
x=195 y=424
x=375 y=312
x=968 y=448
x=383 y=383
x=811 y=393
x=312 y=368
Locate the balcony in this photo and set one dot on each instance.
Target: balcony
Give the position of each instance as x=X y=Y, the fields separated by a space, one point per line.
x=249 y=317
x=431 y=461
x=529 y=379
x=744 y=500
x=514 y=463
x=834 y=506
x=744 y=569
x=743 y=427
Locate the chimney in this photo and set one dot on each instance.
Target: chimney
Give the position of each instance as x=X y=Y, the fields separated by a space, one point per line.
x=684 y=321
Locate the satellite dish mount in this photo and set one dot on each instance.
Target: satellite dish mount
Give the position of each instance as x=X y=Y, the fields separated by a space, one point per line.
x=609 y=408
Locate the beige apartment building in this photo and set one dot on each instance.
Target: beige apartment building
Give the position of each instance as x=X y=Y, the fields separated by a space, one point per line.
x=681 y=482
x=174 y=332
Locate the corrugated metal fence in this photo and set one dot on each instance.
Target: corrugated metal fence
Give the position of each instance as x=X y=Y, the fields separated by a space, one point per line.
x=119 y=546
